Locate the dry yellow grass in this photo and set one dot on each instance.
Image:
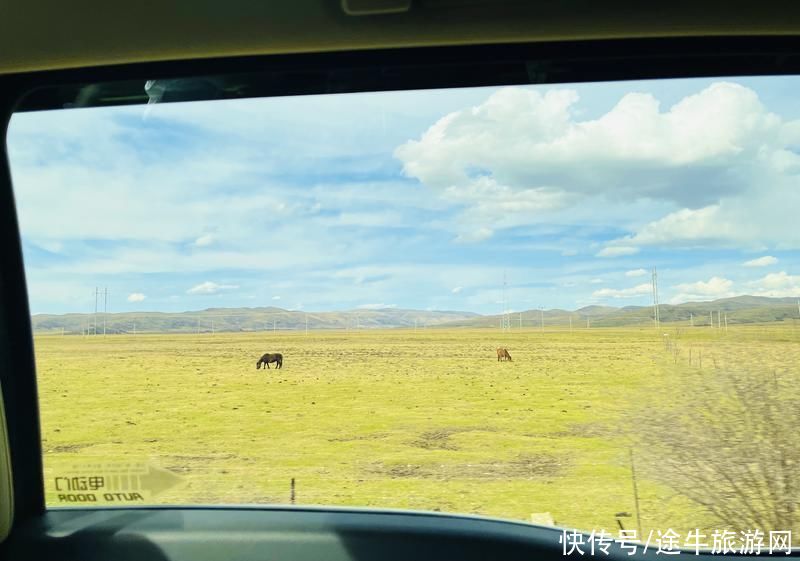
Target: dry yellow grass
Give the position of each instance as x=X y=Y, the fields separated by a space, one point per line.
x=394 y=418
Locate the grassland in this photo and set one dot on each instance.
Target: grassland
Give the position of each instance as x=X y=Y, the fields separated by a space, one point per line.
x=386 y=418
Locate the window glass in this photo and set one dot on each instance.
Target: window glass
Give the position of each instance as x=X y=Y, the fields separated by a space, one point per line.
x=572 y=305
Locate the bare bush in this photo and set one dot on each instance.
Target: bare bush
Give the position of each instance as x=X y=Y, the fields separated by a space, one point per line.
x=731 y=443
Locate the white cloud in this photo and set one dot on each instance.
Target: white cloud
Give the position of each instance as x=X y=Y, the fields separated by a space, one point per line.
x=596 y=281
x=636 y=273
x=489 y=202
x=693 y=226
x=204 y=240
x=617 y=251
x=475 y=236
x=136 y=297
x=276 y=297
x=765 y=261
x=776 y=285
x=724 y=164
x=520 y=136
x=632 y=292
x=380 y=306
x=457 y=289
x=713 y=288
x=209 y=287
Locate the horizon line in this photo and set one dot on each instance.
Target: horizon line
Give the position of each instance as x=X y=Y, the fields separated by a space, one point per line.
x=399 y=309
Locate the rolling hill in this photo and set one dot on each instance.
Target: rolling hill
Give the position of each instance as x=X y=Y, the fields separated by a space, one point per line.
x=739 y=309
x=241 y=319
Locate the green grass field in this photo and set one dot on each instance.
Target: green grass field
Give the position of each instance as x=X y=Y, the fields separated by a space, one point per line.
x=392 y=418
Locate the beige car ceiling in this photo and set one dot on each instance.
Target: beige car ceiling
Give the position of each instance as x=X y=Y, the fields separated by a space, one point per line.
x=56 y=34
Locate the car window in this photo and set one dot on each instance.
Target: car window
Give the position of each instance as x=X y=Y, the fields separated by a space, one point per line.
x=572 y=305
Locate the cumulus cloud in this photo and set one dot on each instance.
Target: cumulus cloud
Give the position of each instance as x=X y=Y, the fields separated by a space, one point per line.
x=457 y=289
x=713 y=288
x=765 y=261
x=276 y=297
x=136 y=297
x=723 y=161
x=209 y=287
x=617 y=251
x=380 y=306
x=636 y=273
x=632 y=292
x=776 y=285
x=695 y=226
x=522 y=138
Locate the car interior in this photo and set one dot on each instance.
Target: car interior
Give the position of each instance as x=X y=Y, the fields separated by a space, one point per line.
x=57 y=55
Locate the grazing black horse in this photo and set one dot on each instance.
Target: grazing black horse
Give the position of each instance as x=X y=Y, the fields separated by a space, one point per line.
x=277 y=358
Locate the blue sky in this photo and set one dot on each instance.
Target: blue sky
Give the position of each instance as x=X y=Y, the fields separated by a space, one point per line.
x=422 y=199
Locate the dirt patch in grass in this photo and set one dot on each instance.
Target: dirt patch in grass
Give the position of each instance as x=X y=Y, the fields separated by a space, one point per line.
x=527 y=466
x=187 y=464
x=591 y=430
x=200 y=458
x=580 y=430
x=67 y=448
x=439 y=439
x=352 y=438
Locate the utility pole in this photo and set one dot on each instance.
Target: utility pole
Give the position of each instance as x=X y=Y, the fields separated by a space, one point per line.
x=273 y=325
x=691 y=320
x=505 y=306
x=96 y=296
x=656 y=315
x=105 y=309
x=712 y=317
x=134 y=329
x=726 y=322
x=636 y=495
x=520 y=320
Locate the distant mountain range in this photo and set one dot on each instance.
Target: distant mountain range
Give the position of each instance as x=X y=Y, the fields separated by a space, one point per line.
x=740 y=309
x=243 y=319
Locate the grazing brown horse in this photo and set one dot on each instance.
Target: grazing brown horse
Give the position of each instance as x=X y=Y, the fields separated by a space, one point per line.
x=277 y=358
x=502 y=354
